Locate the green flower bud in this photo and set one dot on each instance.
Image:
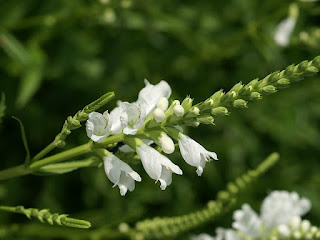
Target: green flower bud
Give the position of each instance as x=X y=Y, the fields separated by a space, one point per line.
x=219 y=111
x=240 y=103
x=312 y=69
x=283 y=82
x=254 y=96
x=269 y=89
x=237 y=87
x=316 y=62
x=229 y=97
x=247 y=89
x=289 y=70
x=206 y=105
x=303 y=65
x=206 y=120
x=187 y=103
x=217 y=96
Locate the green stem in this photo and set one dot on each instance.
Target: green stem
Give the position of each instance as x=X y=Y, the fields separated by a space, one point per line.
x=73 y=152
x=43 y=152
x=13 y=172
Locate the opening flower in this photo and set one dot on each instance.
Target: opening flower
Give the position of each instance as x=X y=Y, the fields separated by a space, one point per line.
x=132 y=117
x=120 y=173
x=98 y=126
x=195 y=154
x=157 y=166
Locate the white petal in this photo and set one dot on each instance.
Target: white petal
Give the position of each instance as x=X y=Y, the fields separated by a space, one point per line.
x=111 y=168
x=150 y=161
x=165 y=178
x=151 y=94
x=279 y=207
x=125 y=183
x=284 y=31
x=166 y=143
x=247 y=221
x=226 y=234
x=115 y=118
x=132 y=117
x=126 y=149
x=130 y=131
x=189 y=150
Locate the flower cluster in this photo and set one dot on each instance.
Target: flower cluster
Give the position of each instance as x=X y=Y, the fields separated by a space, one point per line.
x=147 y=121
x=279 y=219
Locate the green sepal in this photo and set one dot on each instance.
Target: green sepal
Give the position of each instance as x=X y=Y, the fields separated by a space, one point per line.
x=219 y=111
x=240 y=103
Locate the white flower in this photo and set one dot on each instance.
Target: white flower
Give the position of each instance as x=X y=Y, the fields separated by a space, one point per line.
x=284 y=30
x=157 y=166
x=280 y=207
x=120 y=173
x=116 y=126
x=178 y=110
x=194 y=154
x=151 y=94
x=132 y=117
x=222 y=234
x=98 y=126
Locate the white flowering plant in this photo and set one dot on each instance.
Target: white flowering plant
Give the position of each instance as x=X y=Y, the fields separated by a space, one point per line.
x=138 y=163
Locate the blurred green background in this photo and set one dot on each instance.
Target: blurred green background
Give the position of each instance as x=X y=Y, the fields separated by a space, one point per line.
x=57 y=56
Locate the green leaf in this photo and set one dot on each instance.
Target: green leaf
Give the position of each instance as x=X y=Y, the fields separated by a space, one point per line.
x=24 y=139
x=65 y=167
x=2 y=106
x=31 y=78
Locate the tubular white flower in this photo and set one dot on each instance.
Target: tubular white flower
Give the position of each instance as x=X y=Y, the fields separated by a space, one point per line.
x=178 y=110
x=132 y=117
x=247 y=221
x=163 y=103
x=151 y=94
x=280 y=207
x=284 y=30
x=159 y=115
x=194 y=154
x=157 y=166
x=120 y=173
x=98 y=126
x=166 y=143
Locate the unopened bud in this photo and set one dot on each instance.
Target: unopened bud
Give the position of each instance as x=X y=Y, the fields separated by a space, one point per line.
x=219 y=111
x=254 y=96
x=206 y=120
x=176 y=102
x=166 y=143
x=295 y=222
x=187 y=103
x=283 y=231
x=240 y=103
x=196 y=124
x=163 y=103
x=305 y=225
x=283 y=82
x=159 y=115
x=123 y=227
x=269 y=89
x=195 y=110
x=296 y=235
x=178 y=110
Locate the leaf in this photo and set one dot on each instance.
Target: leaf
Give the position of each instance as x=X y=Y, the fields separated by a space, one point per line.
x=31 y=79
x=2 y=106
x=65 y=167
x=24 y=139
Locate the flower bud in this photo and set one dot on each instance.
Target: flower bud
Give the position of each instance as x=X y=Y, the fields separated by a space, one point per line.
x=219 y=111
x=240 y=103
x=206 y=120
x=305 y=225
x=195 y=110
x=187 y=103
x=196 y=124
x=312 y=69
x=166 y=143
x=295 y=222
x=269 y=89
x=296 y=235
x=254 y=96
x=283 y=82
x=159 y=115
x=217 y=96
x=178 y=110
x=176 y=102
x=163 y=103
x=283 y=231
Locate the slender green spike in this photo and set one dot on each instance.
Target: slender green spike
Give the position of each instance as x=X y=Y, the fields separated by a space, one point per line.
x=45 y=216
x=168 y=227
